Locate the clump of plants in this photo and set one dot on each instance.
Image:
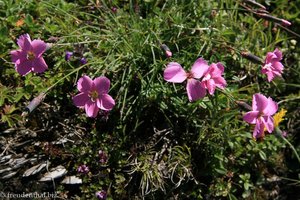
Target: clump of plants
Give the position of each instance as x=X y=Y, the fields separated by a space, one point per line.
x=187 y=100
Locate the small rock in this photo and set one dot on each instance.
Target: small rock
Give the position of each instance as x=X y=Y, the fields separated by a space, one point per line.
x=72 y=180
x=21 y=144
x=9 y=162
x=61 y=141
x=34 y=170
x=33 y=160
x=54 y=173
x=5 y=170
x=19 y=163
x=274 y=179
x=9 y=175
x=5 y=158
x=10 y=130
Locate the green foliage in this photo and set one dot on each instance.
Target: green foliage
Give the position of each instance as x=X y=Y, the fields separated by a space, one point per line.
x=159 y=145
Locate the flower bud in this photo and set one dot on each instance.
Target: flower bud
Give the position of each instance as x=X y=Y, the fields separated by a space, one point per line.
x=279 y=133
x=166 y=49
x=68 y=55
x=114 y=9
x=53 y=39
x=48 y=46
x=34 y=103
x=252 y=58
x=274 y=19
x=83 y=61
x=244 y=105
x=254 y=3
x=285 y=22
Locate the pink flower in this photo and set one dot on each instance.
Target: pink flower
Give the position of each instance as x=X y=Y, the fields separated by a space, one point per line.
x=261 y=115
x=213 y=78
x=102 y=195
x=68 y=55
x=83 y=169
x=29 y=57
x=284 y=133
x=272 y=66
x=103 y=156
x=93 y=95
x=114 y=9
x=200 y=78
x=175 y=73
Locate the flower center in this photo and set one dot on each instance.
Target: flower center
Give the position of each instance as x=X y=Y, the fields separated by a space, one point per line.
x=94 y=95
x=30 y=55
x=206 y=77
x=267 y=66
x=260 y=114
x=189 y=75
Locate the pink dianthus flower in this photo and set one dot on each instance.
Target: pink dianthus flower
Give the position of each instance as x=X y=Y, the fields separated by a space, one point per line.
x=29 y=57
x=261 y=115
x=201 y=77
x=93 y=95
x=213 y=78
x=272 y=66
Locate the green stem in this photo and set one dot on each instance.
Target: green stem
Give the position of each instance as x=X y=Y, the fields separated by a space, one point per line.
x=279 y=132
x=72 y=43
x=72 y=72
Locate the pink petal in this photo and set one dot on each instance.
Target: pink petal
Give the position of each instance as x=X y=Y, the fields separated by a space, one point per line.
x=38 y=47
x=268 y=123
x=199 y=68
x=259 y=129
x=105 y=102
x=251 y=117
x=220 y=66
x=270 y=75
x=259 y=102
x=211 y=86
x=215 y=71
x=24 y=42
x=15 y=55
x=39 y=65
x=220 y=82
x=102 y=85
x=278 y=53
x=24 y=67
x=84 y=84
x=18 y=55
x=276 y=73
x=91 y=109
x=278 y=66
x=174 y=73
x=271 y=108
x=195 y=90
x=80 y=99
x=270 y=57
